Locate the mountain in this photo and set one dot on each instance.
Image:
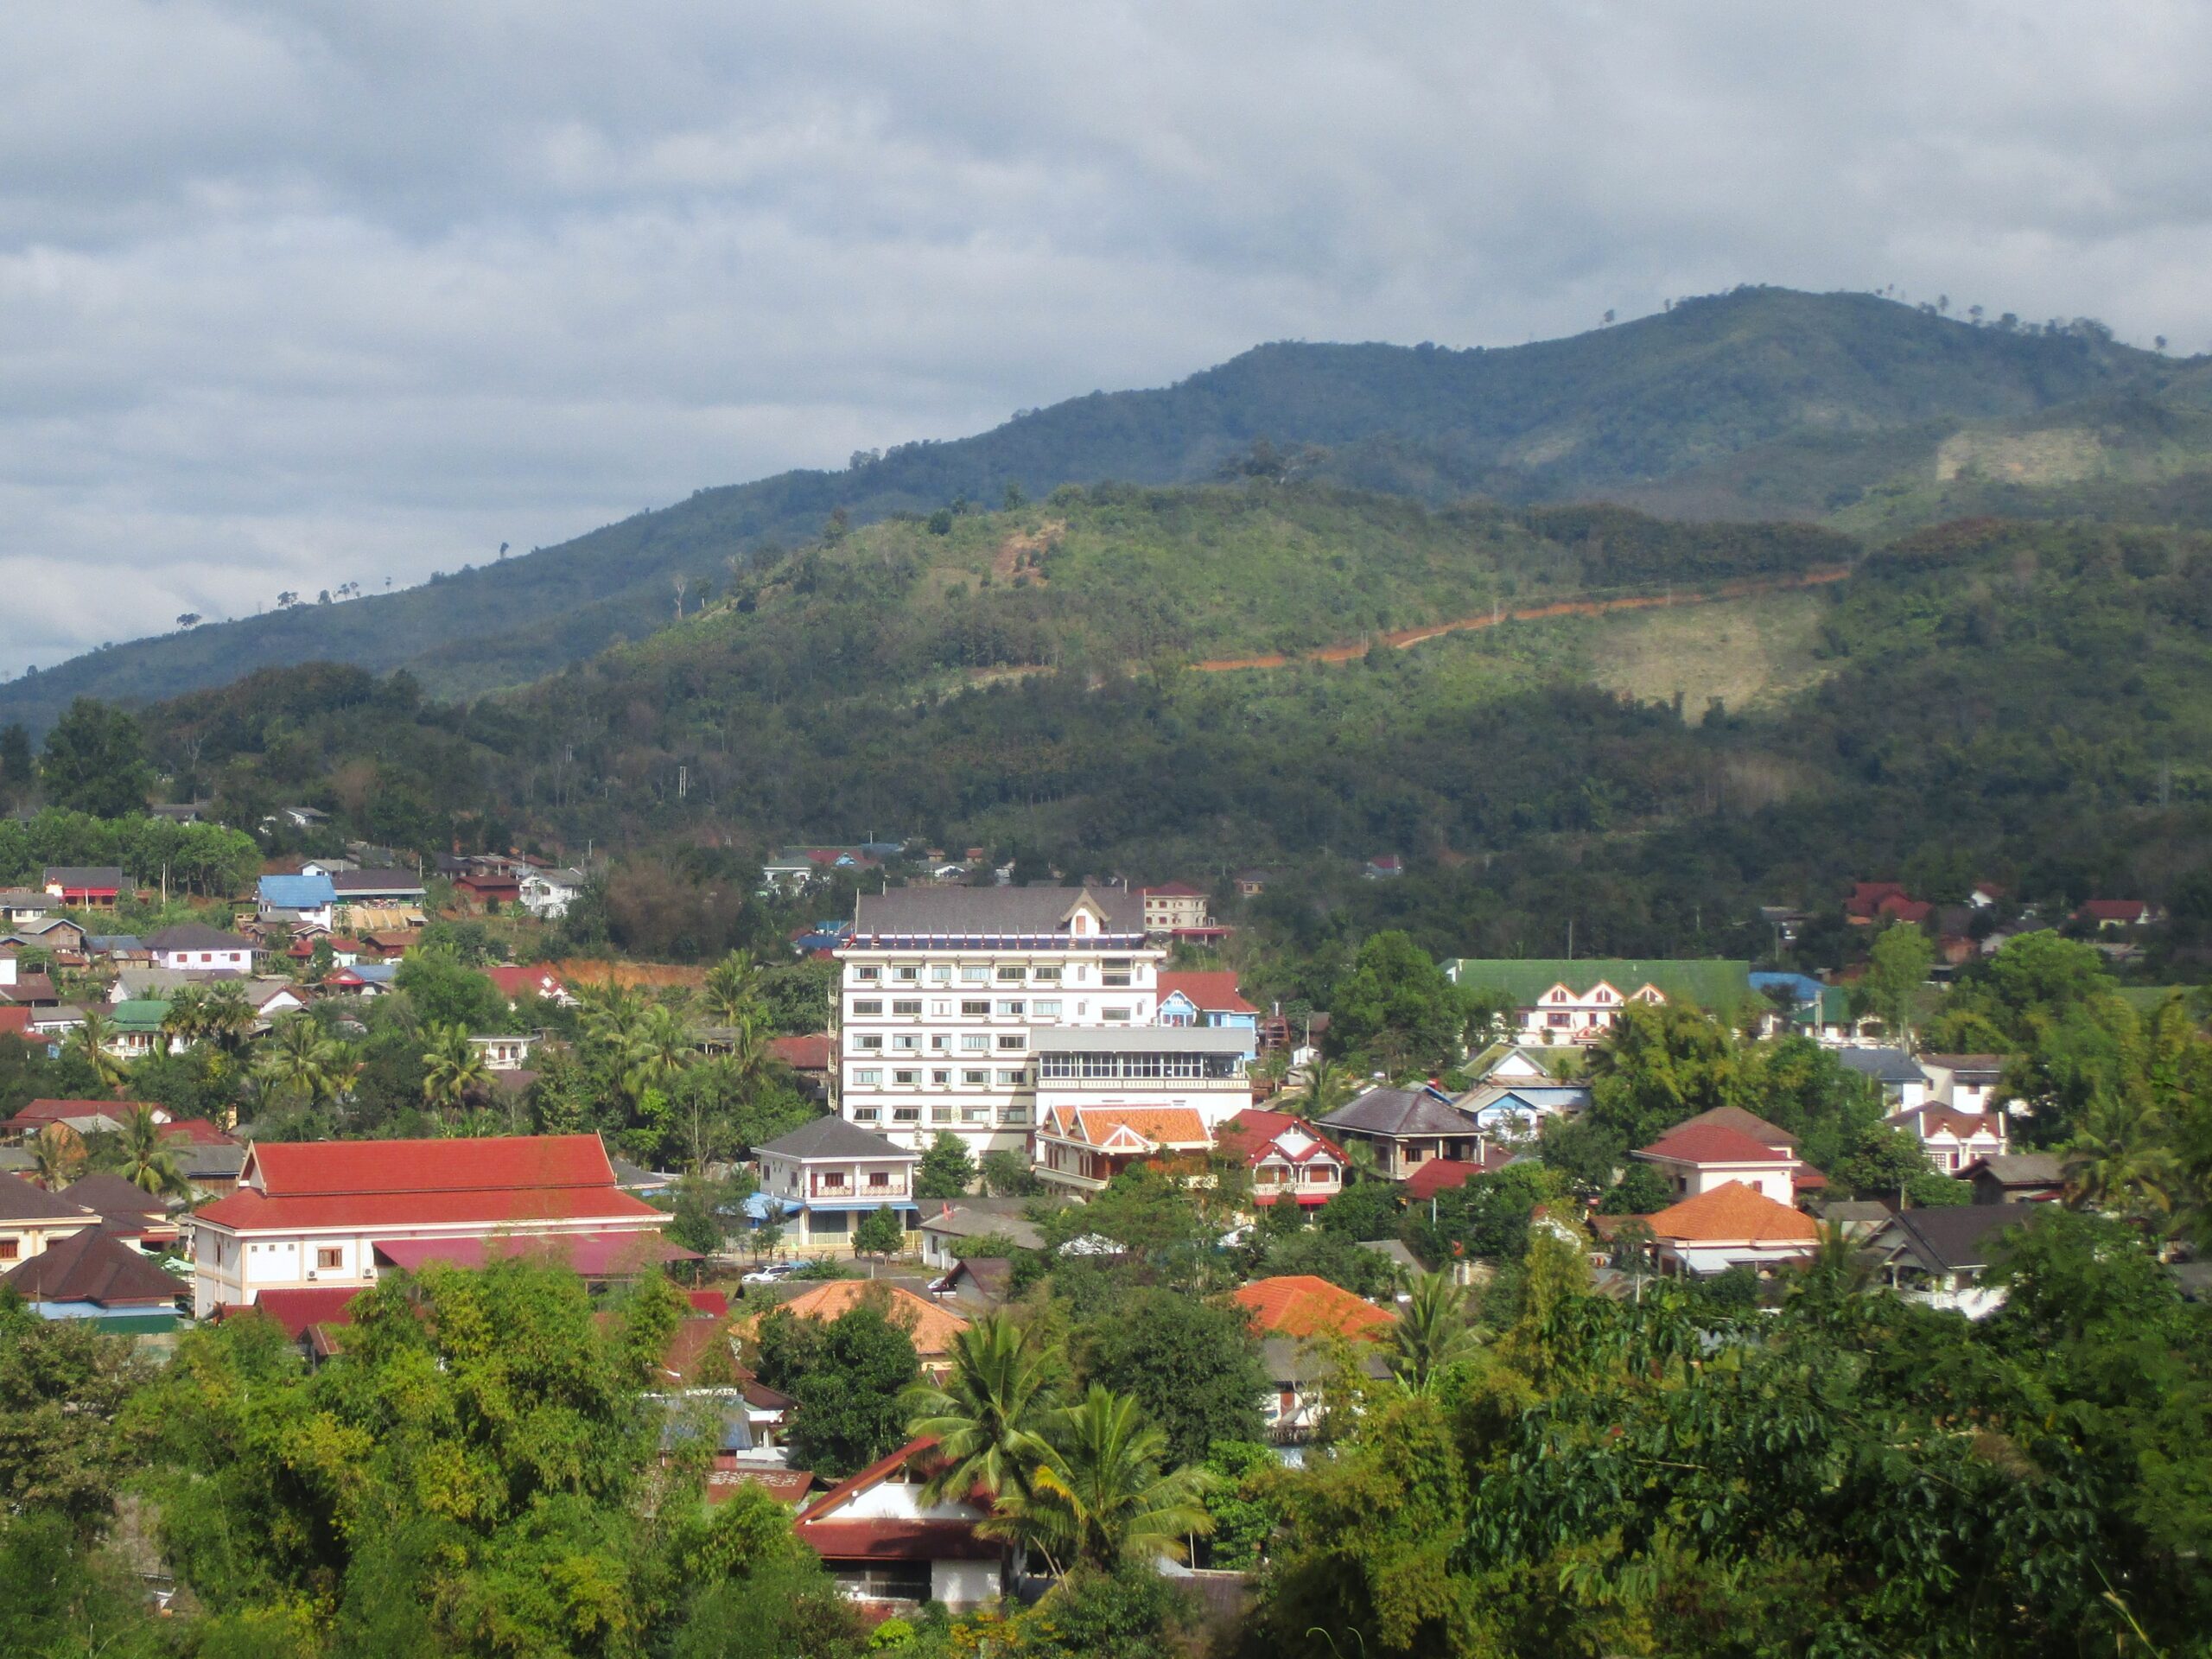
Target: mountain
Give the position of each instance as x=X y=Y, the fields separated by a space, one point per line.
x=1608 y=412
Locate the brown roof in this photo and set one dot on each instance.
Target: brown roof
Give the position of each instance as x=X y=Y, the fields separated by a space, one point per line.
x=931 y=1328
x=1711 y=1143
x=91 y=1267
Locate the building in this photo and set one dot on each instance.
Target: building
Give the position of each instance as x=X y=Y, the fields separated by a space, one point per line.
x=1406 y=1127
x=1874 y=902
x=1965 y=1083
x=547 y=894
x=128 y=1214
x=32 y=1220
x=943 y=989
x=1083 y=1148
x=335 y=1212
x=1383 y=867
x=890 y=1550
x=1727 y=1226
x=1283 y=1159
x=1306 y=1307
x=2017 y=1177
x=91 y=1274
x=1172 y=907
x=1449 y=1174
x=1202 y=1069
x=1903 y=1083
x=956 y=1221
x=1571 y=1001
x=1954 y=1140
x=2106 y=913
x=1939 y=1257
x=81 y=888
x=1728 y=1145
x=518 y=984
x=1520 y=1109
x=1210 y=999
x=194 y=948
x=372 y=888
x=823 y=1176
x=932 y=1330
x=283 y=899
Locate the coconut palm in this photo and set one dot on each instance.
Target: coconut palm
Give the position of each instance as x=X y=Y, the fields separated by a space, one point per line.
x=1327 y=1086
x=658 y=1051
x=226 y=1019
x=989 y=1416
x=452 y=1068
x=186 y=1023
x=91 y=1040
x=1099 y=1491
x=731 y=995
x=2115 y=1162
x=1837 y=1265
x=1432 y=1333
x=144 y=1158
x=300 y=1061
x=611 y=1016
x=57 y=1156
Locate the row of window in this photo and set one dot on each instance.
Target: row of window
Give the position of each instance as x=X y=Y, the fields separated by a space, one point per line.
x=974 y=1116
x=974 y=1076
x=971 y=1042
x=869 y=1007
x=1140 y=1066
x=1112 y=970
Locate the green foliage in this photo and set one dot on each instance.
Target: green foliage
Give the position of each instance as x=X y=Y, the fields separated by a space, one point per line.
x=1328 y=1254
x=1641 y=1191
x=62 y=1385
x=1009 y=1175
x=848 y=1374
x=879 y=1232
x=1363 y=1210
x=946 y=1170
x=1488 y=1217
x=1395 y=1008
x=1194 y=1369
x=1896 y=972
x=1931 y=1189
x=95 y=762
x=443 y=991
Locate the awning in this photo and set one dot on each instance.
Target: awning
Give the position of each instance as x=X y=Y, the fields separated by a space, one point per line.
x=595 y=1255
x=761 y=1206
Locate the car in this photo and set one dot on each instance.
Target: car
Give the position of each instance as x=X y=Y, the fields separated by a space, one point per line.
x=774 y=1272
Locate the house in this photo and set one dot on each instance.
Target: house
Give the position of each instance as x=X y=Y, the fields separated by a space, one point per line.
x=823 y=1176
x=1954 y=1140
x=297 y=817
x=1175 y=905
x=2016 y=1177
x=84 y=1117
x=1984 y=895
x=138 y=1031
x=518 y=985
x=547 y=894
x=1250 y=884
x=1903 y=1084
x=1450 y=1175
x=32 y=1219
x=1284 y=1159
x=931 y=1329
x=976 y=1284
x=323 y=1213
x=1302 y=1306
x=955 y=1220
x=1083 y=1148
x=130 y=1214
x=2106 y=913
x=202 y=949
x=23 y=904
x=373 y=887
x=493 y=889
x=1210 y=999
x=504 y=1053
x=56 y=935
x=1557 y=1000
x=82 y=888
x=1520 y=1109
x=1300 y=1372
x=1873 y=902
x=123 y=949
x=1505 y=1063
x=1406 y=1127
x=288 y=899
x=1965 y=1083
x=1387 y=866
x=90 y=1274
x=1727 y=1226
x=812 y=1059
x=888 y=1549
x=943 y=991
x=1939 y=1255
x=1729 y=1146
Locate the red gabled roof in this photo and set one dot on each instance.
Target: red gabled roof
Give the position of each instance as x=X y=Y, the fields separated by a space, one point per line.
x=1210 y=993
x=1732 y=1213
x=810 y=1053
x=1450 y=1175
x=2115 y=910
x=715 y=1302
x=860 y=1481
x=286 y=1169
x=1712 y=1143
x=198 y=1130
x=297 y=1309
x=1172 y=890
x=494 y=1209
x=1255 y=1132
x=1868 y=897
x=15 y=1021
x=896 y=1541
x=514 y=982
x=53 y=1111
x=1302 y=1304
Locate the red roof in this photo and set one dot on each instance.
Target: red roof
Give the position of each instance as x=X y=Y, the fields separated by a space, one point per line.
x=595 y=1255
x=715 y=1302
x=1301 y=1305
x=896 y=1541
x=198 y=1130
x=1731 y=1213
x=1172 y=890
x=1868 y=897
x=514 y=983
x=1450 y=1175
x=873 y=1475
x=53 y=1111
x=1257 y=1131
x=1210 y=993
x=2115 y=910
x=785 y=1485
x=802 y=1054
x=1712 y=1143
x=295 y=1310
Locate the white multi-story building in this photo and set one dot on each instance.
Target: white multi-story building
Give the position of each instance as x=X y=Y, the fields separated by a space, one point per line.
x=944 y=990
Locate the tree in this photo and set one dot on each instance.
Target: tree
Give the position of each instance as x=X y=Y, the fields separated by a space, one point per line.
x=91 y=1043
x=989 y=1416
x=301 y=1062
x=144 y=1157
x=1432 y=1332
x=1009 y=1175
x=1896 y=969
x=58 y=1156
x=2115 y=1162
x=14 y=754
x=1658 y=1067
x=731 y=994
x=443 y=991
x=946 y=1171
x=1396 y=1008
x=1641 y=1191
x=1880 y=1158
x=848 y=1376
x=1194 y=1369
x=880 y=1233
x=1327 y=1086
x=1101 y=1492
x=1364 y=1210
x=453 y=1069
x=95 y=761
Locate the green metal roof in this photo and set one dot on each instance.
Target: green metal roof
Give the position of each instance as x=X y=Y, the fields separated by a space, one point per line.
x=1711 y=982
x=137 y=1015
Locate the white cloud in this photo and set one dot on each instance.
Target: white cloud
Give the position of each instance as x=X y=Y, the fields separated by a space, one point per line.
x=299 y=293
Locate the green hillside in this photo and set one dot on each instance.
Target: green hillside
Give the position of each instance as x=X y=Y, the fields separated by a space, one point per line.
x=1595 y=414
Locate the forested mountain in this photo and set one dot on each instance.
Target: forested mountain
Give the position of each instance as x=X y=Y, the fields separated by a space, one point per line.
x=1618 y=410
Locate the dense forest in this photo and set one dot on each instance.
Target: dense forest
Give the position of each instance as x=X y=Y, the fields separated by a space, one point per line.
x=1834 y=401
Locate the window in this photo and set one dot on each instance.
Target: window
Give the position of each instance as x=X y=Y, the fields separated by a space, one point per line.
x=1011 y=1007
x=832 y=1180
x=941 y=1115
x=1014 y=1114
x=939 y=1042
x=1010 y=975
x=865 y=1006
x=1559 y=1021
x=867 y=976
x=1012 y=1077
x=868 y=1042
x=974 y=1010
x=879 y=1179
x=907 y=1005
x=10 y=1248
x=864 y=1115
x=867 y=1077
x=975 y=1079
x=907 y=1042
x=906 y=1114
x=329 y=1257
x=940 y=973
x=906 y=1077
x=939 y=1007
x=910 y=974
x=975 y=1114
x=1012 y=1042
x=974 y=973
x=1114 y=970
x=976 y=1042
x=940 y=1078
x=1046 y=1007
x=1046 y=974
x=1114 y=1015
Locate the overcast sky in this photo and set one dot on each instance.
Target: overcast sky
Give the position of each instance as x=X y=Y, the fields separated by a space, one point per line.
x=309 y=292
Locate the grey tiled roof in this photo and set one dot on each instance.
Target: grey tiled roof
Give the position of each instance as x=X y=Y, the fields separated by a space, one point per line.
x=1398 y=1111
x=833 y=1137
x=973 y=911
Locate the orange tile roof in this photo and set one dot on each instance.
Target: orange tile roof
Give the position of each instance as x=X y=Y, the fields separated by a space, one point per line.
x=931 y=1328
x=1731 y=1213
x=1213 y=992
x=1300 y=1305
x=1169 y=1127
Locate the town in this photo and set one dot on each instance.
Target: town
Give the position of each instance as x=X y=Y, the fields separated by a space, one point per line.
x=967 y=1136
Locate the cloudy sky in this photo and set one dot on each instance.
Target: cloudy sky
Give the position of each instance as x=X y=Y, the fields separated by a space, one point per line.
x=315 y=291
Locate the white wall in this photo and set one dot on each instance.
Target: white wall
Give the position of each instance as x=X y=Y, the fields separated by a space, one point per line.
x=963 y=1584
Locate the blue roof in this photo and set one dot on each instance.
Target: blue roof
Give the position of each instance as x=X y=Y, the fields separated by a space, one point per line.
x=377 y=973
x=298 y=892
x=1802 y=988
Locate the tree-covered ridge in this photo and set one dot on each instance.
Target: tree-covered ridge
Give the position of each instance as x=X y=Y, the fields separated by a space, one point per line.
x=1561 y=419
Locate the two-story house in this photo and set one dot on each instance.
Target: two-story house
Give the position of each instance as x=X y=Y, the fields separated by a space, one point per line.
x=1965 y=1083
x=1173 y=905
x=944 y=992
x=1208 y=999
x=1406 y=1127
x=1903 y=1083
x=1955 y=1141
x=1577 y=1002
x=81 y=888
x=195 y=948
x=285 y=899
x=335 y=1213
x=1083 y=1148
x=1284 y=1159
x=31 y=1218
x=1729 y=1144
x=823 y=1176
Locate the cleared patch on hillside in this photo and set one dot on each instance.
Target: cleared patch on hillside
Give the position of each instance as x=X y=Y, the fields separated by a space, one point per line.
x=2060 y=455
x=1748 y=653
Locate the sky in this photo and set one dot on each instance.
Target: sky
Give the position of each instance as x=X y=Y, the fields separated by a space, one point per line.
x=318 y=292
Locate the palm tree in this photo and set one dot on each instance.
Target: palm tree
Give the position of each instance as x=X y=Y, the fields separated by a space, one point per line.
x=144 y=1157
x=186 y=1023
x=1837 y=1265
x=731 y=995
x=1327 y=1086
x=611 y=1015
x=658 y=1051
x=300 y=1061
x=2114 y=1161
x=452 y=1067
x=1432 y=1333
x=1099 y=1492
x=226 y=1017
x=91 y=1040
x=57 y=1156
